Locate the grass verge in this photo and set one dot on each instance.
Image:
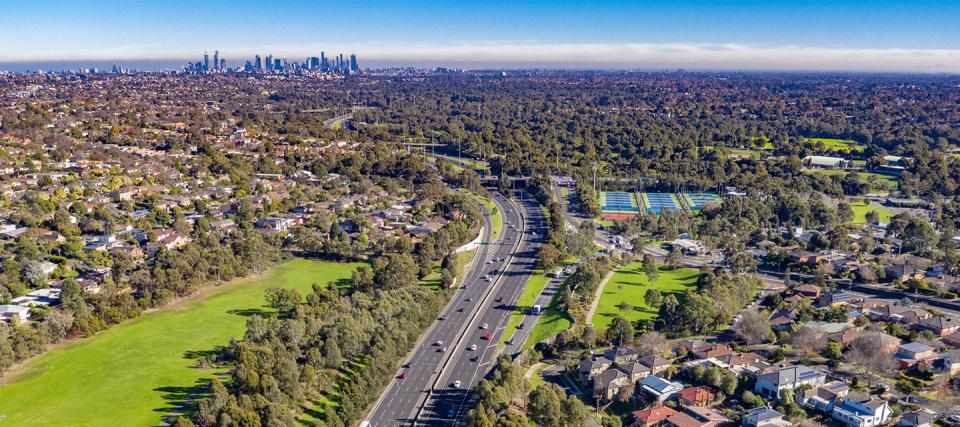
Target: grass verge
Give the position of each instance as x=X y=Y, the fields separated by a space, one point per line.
x=630 y=283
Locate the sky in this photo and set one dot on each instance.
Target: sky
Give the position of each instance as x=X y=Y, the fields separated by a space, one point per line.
x=879 y=35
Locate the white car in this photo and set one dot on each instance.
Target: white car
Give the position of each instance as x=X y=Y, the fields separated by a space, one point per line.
x=473 y=347
x=484 y=326
x=456 y=384
x=443 y=349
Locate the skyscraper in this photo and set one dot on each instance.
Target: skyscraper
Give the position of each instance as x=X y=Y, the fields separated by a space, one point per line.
x=206 y=61
x=258 y=64
x=314 y=63
x=353 y=62
x=269 y=62
x=216 y=60
x=323 y=61
x=223 y=65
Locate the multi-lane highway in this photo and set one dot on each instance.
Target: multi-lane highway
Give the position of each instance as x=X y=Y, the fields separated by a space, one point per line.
x=425 y=390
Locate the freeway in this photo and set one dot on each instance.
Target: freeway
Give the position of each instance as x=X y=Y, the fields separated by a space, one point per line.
x=443 y=345
x=450 y=402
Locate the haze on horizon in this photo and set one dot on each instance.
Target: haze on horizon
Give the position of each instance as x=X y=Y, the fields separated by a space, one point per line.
x=880 y=36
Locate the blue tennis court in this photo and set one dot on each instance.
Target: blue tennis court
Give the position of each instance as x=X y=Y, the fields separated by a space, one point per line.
x=697 y=201
x=618 y=201
x=655 y=203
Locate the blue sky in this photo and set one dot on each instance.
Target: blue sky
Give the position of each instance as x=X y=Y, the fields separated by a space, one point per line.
x=728 y=34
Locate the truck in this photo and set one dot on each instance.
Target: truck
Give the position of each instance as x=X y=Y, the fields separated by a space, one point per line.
x=536 y=309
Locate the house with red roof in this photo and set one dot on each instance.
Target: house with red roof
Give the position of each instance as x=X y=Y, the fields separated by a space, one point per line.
x=651 y=417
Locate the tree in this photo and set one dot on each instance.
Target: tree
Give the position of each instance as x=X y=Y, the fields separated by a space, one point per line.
x=753 y=327
x=620 y=332
x=362 y=278
x=652 y=343
x=650 y=268
x=393 y=271
x=867 y=353
x=549 y=256
x=284 y=300
x=808 y=340
x=653 y=298
x=674 y=258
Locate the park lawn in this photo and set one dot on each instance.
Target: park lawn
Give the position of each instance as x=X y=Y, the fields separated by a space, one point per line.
x=551 y=324
x=860 y=210
x=630 y=284
x=135 y=373
x=845 y=145
x=864 y=176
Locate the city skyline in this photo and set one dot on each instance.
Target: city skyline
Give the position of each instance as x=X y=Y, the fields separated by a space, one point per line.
x=705 y=35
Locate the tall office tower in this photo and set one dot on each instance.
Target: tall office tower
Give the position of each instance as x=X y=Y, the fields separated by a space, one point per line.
x=269 y=62
x=216 y=60
x=314 y=63
x=223 y=64
x=206 y=61
x=340 y=62
x=323 y=61
x=353 y=62
x=257 y=63
x=278 y=64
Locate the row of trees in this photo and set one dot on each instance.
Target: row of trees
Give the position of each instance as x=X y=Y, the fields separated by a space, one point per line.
x=505 y=399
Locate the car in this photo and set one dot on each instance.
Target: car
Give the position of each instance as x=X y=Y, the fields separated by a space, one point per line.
x=955 y=418
x=444 y=317
x=487 y=336
x=456 y=384
x=474 y=358
x=489 y=261
x=460 y=310
x=520 y=326
x=438 y=343
x=473 y=347
x=484 y=326
x=403 y=376
x=468 y=299
x=499 y=299
x=443 y=349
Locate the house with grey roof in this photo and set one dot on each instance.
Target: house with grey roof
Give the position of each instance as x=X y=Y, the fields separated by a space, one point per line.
x=771 y=383
x=859 y=410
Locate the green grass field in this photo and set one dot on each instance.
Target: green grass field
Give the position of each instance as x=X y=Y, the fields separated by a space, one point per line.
x=879 y=178
x=845 y=145
x=137 y=372
x=630 y=283
x=860 y=212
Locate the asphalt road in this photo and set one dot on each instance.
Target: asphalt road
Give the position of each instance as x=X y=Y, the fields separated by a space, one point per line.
x=404 y=399
x=449 y=404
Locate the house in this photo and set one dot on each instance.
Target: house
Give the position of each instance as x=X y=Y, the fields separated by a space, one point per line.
x=763 y=417
x=655 y=363
x=911 y=353
x=652 y=417
x=804 y=257
x=14 y=314
x=782 y=320
x=824 y=162
x=275 y=224
x=621 y=355
x=941 y=325
x=609 y=383
x=715 y=350
x=696 y=416
x=635 y=370
x=916 y=419
x=901 y=272
x=696 y=396
x=658 y=388
x=809 y=291
x=592 y=367
x=824 y=397
x=946 y=363
x=858 y=410
x=771 y=383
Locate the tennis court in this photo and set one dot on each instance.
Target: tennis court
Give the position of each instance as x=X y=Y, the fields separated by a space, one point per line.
x=697 y=201
x=618 y=201
x=655 y=203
